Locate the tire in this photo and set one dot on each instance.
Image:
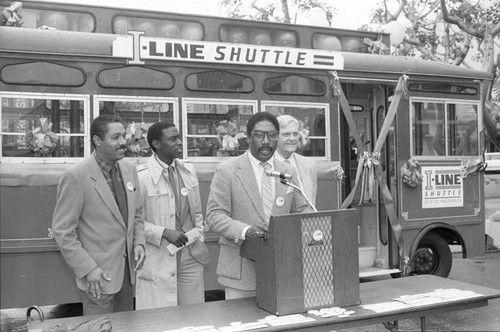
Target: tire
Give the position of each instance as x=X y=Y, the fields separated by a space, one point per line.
x=433 y=256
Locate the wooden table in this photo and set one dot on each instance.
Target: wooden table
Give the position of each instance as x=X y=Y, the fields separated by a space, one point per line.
x=222 y=313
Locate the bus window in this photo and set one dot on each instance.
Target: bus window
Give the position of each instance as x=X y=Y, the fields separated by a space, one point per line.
x=219 y=81
x=137 y=116
x=135 y=78
x=60 y=20
x=440 y=133
x=43 y=126
x=462 y=129
x=294 y=85
x=216 y=128
x=428 y=126
x=313 y=120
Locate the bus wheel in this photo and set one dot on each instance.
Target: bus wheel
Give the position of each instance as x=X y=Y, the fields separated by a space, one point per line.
x=433 y=256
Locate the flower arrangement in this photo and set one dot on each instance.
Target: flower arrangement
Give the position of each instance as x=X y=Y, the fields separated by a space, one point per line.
x=13 y=15
x=41 y=140
x=136 y=137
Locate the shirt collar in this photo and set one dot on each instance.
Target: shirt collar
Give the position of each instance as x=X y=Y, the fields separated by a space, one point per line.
x=256 y=162
x=102 y=164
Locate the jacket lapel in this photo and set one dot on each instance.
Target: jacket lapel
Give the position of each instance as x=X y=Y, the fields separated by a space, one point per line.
x=102 y=188
x=128 y=184
x=245 y=173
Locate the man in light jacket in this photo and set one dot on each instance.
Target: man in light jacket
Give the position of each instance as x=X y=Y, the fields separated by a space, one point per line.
x=98 y=221
x=288 y=143
x=243 y=196
x=172 y=207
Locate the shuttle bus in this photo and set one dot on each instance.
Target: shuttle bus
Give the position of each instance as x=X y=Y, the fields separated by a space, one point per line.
x=398 y=139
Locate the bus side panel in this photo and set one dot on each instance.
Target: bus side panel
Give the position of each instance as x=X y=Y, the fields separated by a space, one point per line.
x=36 y=278
x=29 y=258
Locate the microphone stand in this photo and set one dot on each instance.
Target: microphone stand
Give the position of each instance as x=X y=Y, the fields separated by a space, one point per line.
x=288 y=183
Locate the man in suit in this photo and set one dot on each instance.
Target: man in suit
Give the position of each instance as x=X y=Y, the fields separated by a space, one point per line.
x=285 y=152
x=243 y=197
x=98 y=221
x=172 y=206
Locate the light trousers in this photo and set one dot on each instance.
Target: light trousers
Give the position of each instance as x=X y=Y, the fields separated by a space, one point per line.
x=190 y=283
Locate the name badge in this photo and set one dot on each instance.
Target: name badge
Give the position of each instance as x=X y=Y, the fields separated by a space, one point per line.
x=184 y=192
x=130 y=186
x=280 y=201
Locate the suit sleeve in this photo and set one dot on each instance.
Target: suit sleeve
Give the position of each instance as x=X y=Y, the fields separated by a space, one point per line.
x=197 y=207
x=219 y=206
x=139 y=237
x=69 y=206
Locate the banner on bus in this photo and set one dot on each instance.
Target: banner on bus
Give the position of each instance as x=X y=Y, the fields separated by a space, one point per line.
x=442 y=187
x=136 y=47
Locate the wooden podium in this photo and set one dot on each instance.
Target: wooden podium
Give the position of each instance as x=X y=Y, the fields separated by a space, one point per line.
x=308 y=261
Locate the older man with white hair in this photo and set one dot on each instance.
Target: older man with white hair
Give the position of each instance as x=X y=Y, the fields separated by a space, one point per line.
x=288 y=143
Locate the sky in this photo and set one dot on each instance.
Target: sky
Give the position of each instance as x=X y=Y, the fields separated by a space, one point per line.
x=351 y=14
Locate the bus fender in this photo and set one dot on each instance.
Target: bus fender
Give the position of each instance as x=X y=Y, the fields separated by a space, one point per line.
x=445 y=230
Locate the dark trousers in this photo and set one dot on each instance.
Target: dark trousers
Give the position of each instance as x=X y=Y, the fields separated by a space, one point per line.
x=108 y=303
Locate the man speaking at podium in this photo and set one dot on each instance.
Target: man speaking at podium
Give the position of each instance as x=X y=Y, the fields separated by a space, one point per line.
x=244 y=193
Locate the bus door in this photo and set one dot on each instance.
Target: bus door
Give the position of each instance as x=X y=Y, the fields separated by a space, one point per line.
x=368 y=103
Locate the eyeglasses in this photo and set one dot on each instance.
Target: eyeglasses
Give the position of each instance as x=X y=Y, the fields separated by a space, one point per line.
x=271 y=135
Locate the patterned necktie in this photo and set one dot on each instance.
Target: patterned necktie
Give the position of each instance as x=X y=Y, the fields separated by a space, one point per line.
x=267 y=191
x=120 y=196
x=175 y=188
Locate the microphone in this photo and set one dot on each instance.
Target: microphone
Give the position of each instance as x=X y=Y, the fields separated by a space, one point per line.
x=279 y=175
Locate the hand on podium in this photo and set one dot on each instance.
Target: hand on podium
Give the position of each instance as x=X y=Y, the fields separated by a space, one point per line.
x=255 y=232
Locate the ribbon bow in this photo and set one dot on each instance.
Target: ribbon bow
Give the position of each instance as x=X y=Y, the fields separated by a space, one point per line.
x=369 y=161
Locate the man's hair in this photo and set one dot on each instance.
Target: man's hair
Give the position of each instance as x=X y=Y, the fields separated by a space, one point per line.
x=285 y=119
x=99 y=126
x=261 y=116
x=155 y=132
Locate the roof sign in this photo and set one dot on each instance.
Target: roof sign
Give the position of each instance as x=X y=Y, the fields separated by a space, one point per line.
x=137 y=48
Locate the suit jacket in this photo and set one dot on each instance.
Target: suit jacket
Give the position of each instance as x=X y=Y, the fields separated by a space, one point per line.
x=88 y=225
x=234 y=203
x=308 y=175
x=157 y=280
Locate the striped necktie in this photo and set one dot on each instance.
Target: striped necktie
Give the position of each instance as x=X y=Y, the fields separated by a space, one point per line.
x=267 y=192
x=120 y=195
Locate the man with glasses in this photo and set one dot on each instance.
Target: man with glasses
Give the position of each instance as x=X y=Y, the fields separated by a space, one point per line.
x=243 y=197
x=288 y=142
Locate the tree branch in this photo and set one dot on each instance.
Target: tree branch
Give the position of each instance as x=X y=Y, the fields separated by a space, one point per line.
x=456 y=20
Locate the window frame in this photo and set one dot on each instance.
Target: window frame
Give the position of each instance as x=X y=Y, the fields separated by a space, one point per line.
x=445 y=102
x=201 y=101
x=122 y=98
x=325 y=106
x=48 y=96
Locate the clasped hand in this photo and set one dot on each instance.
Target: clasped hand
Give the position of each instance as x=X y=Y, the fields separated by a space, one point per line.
x=255 y=232
x=179 y=239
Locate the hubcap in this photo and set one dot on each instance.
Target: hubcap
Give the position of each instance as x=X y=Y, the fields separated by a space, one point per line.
x=425 y=261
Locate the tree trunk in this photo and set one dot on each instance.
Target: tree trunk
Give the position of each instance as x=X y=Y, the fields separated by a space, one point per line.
x=286 y=12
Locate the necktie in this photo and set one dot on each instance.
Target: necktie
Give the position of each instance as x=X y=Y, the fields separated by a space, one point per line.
x=175 y=188
x=121 y=197
x=287 y=161
x=266 y=192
